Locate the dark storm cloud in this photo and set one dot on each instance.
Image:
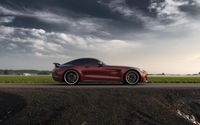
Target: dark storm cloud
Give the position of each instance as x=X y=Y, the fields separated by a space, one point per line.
x=32 y=22
x=108 y=19
x=191 y=9
x=95 y=8
x=89 y=7
x=142 y=5
x=99 y=18
x=74 y=9
x=80 y=7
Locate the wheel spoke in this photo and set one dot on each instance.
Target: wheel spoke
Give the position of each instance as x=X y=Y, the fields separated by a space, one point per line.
x=71 y=77
x=132 y=77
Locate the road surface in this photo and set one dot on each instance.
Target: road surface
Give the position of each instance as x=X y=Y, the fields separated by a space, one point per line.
x=58 y=104
x=82 y=86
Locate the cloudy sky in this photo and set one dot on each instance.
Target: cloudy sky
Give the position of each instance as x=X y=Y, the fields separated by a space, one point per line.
x=156 y=35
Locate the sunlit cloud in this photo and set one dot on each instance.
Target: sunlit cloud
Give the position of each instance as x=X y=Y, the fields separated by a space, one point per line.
x=41 y=43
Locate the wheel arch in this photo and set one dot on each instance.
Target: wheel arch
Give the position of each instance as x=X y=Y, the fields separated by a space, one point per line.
x=72 y=69
x=124 y=75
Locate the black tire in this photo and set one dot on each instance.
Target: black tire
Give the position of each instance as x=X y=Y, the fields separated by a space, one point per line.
x=132 y=77
x=71 y=77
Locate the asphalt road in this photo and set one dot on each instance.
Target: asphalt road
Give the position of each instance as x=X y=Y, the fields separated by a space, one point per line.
x=58 y=104
x=95 y=85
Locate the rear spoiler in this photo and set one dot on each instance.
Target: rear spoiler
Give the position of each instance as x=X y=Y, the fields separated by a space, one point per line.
x=56 y=64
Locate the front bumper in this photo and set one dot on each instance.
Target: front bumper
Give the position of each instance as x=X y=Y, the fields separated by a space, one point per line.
x=144 y=76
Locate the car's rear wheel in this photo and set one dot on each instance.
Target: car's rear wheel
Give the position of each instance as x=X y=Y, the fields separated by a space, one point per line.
x=71 y=77
x=132 y=77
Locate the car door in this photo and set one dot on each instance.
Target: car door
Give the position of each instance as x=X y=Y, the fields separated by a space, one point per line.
x=94 y=71
x=111 y=73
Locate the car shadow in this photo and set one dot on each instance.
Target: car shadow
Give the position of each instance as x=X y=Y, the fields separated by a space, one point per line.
x=97 y=84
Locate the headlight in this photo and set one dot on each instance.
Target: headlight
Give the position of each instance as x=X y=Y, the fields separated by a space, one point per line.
x=144 y=71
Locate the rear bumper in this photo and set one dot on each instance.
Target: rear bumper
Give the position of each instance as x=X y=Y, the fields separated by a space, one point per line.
x=57 y=77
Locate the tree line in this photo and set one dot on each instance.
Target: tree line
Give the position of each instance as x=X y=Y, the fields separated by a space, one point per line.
x=21 y=72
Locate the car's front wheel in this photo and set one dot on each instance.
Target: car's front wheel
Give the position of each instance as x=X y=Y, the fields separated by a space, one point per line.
x=71 y=77
x=132 y=77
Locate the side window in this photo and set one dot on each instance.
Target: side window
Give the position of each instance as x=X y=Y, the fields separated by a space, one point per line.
x=84 y=62
x=91 y=63
x=78 y=62
x=81 y=62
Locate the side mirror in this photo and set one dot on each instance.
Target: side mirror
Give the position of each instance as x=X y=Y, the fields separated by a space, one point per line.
x=100 y=63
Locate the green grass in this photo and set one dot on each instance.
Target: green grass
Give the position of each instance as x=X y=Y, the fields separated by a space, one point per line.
x=48 y=79
x=26 y=79
x=174 y=79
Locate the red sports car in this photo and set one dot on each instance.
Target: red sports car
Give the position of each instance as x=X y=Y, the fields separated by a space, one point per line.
x=90 y=69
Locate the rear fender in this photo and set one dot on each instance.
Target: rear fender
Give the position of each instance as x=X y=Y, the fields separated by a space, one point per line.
x=80 y=77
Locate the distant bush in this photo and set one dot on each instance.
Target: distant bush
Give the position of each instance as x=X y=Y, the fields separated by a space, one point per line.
x=5 y=72
x=44 y=73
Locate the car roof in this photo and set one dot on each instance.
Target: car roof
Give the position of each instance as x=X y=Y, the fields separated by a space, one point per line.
x=86 y=58
x=79 y=59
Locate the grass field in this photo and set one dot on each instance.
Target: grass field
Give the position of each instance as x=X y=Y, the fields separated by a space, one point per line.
x=48 y=79
x=26 y=79
x=174 y=79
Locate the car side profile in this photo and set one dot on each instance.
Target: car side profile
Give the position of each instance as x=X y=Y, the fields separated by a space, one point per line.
x=94 y=70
